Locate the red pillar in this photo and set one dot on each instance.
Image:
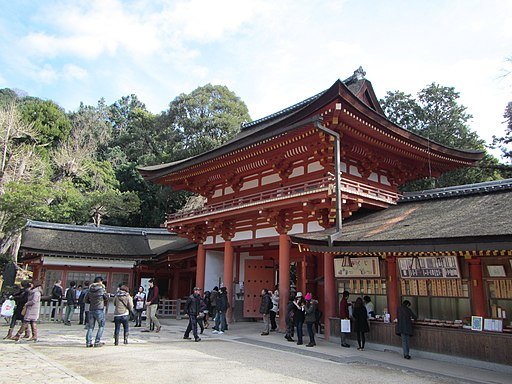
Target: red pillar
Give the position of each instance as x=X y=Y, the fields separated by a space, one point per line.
x=228 y=277
x=392 y=287
x=284 y=278
x=201 y=260
x=329 y=293
x=477 y=287
x=175 y=285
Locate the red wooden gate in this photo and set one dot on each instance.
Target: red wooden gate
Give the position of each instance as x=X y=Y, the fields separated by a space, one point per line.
x=259 y=274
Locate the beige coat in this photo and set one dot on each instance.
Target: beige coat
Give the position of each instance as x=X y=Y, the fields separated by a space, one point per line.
x=123 y=303
x=33 y=304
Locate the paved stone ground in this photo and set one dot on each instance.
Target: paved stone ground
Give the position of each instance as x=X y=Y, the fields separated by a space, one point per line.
x=241 y=355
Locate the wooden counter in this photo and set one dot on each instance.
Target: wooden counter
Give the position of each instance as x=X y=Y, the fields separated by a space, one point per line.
x=494 y=347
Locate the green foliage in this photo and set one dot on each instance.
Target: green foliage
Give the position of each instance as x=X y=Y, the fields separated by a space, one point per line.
x=504 y=143
x=48 y=118
x=112 y=206
x=437 y=115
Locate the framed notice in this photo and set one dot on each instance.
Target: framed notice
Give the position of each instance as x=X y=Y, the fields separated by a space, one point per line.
x=496 y=270
x=494 y=325
x=360 y=267
x=477 y=323
x=440 y=267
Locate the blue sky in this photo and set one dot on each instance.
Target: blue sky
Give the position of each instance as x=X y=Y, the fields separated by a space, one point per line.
x=272 y=54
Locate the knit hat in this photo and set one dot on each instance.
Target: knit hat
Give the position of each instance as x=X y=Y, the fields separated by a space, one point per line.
x=299 y=294
x=308 y=296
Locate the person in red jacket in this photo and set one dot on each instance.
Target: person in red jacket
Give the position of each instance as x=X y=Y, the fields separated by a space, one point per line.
x=152 y=307
x=344 y=314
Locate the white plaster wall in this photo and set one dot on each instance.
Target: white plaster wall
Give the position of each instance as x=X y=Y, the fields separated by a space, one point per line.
x=266 y=232
x=316 y=166
x=299 y=171
x=245 y=235
x=208 y=240
x=343 y=167
x=297 y=228
x=313 y=226
x=214 y=269
x=384 y=180
x=249 y=184
x=270 y=179
x=228 y=190
x=219 y=239
x=218 y=193
x=374 y=177
x=353 y=171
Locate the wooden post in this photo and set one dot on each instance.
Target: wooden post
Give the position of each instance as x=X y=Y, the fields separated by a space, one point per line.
x=284 y=278
x=228 y=277
x=392 y=287
x=200 y=268
x=329 y=293
x=477 y=287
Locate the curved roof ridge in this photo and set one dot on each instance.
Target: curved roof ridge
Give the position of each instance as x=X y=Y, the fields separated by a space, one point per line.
x=101 y=229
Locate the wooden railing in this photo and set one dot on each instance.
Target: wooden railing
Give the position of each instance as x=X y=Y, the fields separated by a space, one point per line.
x=289 y=191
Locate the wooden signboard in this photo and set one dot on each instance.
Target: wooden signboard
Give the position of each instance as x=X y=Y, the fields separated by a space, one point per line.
x=440 y=267
x=360 y=267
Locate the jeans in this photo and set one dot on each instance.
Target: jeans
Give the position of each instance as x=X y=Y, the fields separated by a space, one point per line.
x=273 y=320
x=311 y=333
x=118 y=320
x=70 y=309
x=300 y=332
x=192 y=326
x=405 y=343
x=220 y=319
x=151 y=316
x=99 y=316
x=138 y=317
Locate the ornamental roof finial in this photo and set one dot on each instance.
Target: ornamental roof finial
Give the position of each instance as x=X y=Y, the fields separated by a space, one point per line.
x=359 y=73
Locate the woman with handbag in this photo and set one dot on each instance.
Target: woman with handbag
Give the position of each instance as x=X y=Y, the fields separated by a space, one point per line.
x=140 y=300
x=31 y=308
x=123 y=305
x=20 y=298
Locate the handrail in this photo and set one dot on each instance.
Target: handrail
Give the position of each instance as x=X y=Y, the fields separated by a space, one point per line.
x=325 y=183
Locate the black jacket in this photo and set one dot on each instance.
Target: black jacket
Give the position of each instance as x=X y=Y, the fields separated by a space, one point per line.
x=20 y=298
x=57 y=292
x=405 y=316
x=265 y=304
x=71 y=296
x=193 y=305
x=222 y=302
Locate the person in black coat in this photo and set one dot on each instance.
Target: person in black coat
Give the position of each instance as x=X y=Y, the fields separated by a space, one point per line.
x=20 y=297
x=361 y=326
x=405 y=316
x=193 y=309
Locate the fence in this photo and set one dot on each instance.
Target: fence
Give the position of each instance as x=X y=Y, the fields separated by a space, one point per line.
x=51 y=311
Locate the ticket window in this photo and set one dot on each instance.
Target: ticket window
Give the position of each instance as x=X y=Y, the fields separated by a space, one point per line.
x=440 y=308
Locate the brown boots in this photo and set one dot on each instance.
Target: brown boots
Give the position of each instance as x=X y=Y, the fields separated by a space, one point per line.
x=24 y=329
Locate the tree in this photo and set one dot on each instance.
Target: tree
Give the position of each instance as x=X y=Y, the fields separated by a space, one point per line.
x=504 y=143
x=206 y=118
x=437 y=115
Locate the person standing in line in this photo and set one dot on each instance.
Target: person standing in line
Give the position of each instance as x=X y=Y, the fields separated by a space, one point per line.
x=140 y=299
x=32 y=309
x=20 y=298
x=361 y=325
x=370 y=309
x=289 y=319
x=405 y=317
x=208 y=308
x=152 y=308
x=310 y=317
x=84 y=308
x=344 y=315
x=70 y=303
x=97 y=297
x=123 y=306
x=265 y=307
x=193 y=309
x=57 y=293
x=298 y=316
x=222 y=307
x=275 y=308
x=213 y=304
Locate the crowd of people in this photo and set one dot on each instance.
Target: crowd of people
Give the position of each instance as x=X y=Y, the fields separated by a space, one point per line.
x=92 y=299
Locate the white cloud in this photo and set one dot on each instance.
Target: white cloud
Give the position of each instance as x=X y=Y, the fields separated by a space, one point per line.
x=74 y=72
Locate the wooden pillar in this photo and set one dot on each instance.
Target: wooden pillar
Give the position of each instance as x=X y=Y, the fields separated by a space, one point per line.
x=284 y=278
x=329 y=293
x=228 y=277
x=477 y=287
x=392 y=287
x=200 y=268
x=175 y=285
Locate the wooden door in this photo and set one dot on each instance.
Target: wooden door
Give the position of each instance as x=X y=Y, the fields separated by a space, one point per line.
x=259 y=274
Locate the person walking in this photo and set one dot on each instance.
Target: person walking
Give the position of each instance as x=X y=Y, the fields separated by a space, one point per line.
x=361 y=325
x=405 y=317
x=70 y=303
x=97 y=297
x=152 y=308
x=298 y=316
x=20 y=297
x=344 y=315
x=140 y=299
x=123 y=306
x=193 y=309
x=310 y=317
x=32 y=309
x=275 y=309
x=265 y=307
x=57 y=293
x=84 y=308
